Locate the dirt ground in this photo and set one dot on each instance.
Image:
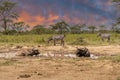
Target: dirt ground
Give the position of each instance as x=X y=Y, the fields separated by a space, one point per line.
x=57 y=68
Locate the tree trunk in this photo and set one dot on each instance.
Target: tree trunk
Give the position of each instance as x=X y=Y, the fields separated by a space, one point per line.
x=5 y=26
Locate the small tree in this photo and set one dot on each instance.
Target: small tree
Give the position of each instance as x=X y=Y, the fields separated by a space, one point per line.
x=116 y=25
x=92 y=28
x=74 y=29
x=115 y=28
x=19 y=26
x=27 y=27
x=40 y=29
x=7 y=13
x=61 y=27
x=77 y=28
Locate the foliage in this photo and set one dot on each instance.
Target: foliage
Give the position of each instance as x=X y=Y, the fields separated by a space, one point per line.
x=61 y=27
x=76 y=29
x=39 y=29
x=92 y=28
x=20 y=27
x=115 y=27
x=118 y=19
x=7 y=13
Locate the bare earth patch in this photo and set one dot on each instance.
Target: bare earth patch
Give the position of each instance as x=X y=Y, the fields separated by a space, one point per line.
x=54 y=68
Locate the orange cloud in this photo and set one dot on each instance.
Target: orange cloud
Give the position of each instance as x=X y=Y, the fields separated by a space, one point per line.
x=41 y=20
x=37 y=19
x=53 y=17
x=24 y=16
x=31 y=20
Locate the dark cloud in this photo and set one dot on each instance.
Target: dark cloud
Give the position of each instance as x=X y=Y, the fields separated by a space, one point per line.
x=81 y=11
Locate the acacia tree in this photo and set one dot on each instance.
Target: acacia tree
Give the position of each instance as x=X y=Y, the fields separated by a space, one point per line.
x=115 y=28
x=77 y=28
x=61 y=26
x=20 y=26
x=39 y=29
x=92 y=28
x=7 y=13
x=115 y=25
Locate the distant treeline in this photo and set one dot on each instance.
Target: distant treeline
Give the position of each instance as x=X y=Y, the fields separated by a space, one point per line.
x=58 y=28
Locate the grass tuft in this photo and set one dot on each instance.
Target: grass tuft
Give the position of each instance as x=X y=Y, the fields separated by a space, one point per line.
x=115 y=59
x=7 y=63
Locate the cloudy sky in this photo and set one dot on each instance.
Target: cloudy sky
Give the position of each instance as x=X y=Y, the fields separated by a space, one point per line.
x=46 y=12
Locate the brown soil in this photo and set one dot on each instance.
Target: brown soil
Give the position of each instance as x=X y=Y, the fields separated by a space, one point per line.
x=47 y=68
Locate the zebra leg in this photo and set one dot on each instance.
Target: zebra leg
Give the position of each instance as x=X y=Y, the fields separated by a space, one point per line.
x=102 y=39
x=48 y=42
x=62 y=42
x=54 y=42
x=108 y=39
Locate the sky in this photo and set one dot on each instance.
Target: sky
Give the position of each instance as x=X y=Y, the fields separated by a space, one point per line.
x=47 y=12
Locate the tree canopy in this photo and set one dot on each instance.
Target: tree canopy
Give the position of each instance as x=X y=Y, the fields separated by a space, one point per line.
x=8 y=13
x=61 y=27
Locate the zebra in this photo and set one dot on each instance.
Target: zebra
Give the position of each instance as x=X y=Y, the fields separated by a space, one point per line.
x=104 y=36
x=56 y=38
